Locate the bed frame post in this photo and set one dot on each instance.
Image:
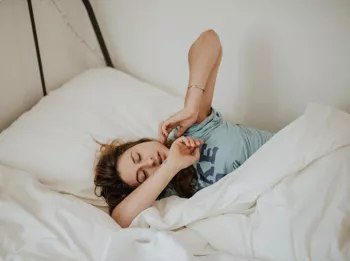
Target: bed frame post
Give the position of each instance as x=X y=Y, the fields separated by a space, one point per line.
x=36 y=42
x=95 y=26
x=98 y=33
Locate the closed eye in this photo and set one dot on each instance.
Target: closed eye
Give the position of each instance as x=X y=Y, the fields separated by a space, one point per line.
x=139 y=159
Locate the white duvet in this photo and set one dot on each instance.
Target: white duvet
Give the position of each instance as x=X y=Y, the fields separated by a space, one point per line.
x=290 y=201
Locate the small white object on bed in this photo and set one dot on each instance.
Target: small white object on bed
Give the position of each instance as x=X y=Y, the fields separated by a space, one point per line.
x=289 y=201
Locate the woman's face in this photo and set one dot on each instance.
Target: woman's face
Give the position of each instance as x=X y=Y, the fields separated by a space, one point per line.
x=141 y=161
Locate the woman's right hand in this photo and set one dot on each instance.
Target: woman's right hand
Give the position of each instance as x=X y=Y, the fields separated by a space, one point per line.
x=184 y=152
x=182 y=119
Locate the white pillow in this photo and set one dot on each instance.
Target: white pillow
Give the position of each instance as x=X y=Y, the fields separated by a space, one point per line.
x=54 y=141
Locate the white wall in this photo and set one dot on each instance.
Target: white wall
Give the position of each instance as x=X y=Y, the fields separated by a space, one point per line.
x=278 y=55
x=17 y=63
x=64 y=55
x=67 y=40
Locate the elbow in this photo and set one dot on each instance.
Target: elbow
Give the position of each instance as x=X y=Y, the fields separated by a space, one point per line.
x=211 y=36
x=208 y=39
x=123 y=220
x=210 y=33
x=123 y=223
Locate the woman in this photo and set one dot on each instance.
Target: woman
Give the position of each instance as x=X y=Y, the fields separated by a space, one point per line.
x=131 y=176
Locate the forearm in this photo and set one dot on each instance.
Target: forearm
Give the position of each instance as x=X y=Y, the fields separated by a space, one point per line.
x=144 y=195
x=202 y=58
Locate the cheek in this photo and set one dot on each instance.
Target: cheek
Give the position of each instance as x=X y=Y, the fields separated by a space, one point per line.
x=127 y=176
x=130 y=180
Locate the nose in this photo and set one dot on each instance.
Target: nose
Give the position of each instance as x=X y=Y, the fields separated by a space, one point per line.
x=150 y=162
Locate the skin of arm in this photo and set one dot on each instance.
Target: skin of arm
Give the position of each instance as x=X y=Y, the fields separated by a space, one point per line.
x=144 y=195
x=204 y=59
x=183 y=153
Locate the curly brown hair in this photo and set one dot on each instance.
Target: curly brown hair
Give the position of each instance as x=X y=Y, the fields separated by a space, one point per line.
x=113 y=189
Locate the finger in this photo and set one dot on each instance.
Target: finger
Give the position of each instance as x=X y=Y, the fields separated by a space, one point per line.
x=160 y=133
x=174 y=120
x=168 y=128
x=196 y=142
x=199 y=142
x=185 y=141
x=192 y=142
x=163 y=139
x=188 y=142
x=196 y=154
x=180 y=131
x=164 y=129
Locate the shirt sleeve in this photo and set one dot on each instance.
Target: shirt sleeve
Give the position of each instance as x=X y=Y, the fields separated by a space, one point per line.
x=203 y=130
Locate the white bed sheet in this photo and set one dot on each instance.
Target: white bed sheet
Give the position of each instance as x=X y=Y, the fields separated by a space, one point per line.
x=290 y=201
x=39 y=224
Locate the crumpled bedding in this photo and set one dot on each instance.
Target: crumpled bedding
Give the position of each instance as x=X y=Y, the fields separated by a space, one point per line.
x=289 y=201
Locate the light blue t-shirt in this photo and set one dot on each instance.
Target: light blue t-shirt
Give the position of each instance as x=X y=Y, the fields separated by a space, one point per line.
x=226 y=147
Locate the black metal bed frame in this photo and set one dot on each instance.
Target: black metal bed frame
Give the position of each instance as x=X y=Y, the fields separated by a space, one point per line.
x=95 y=26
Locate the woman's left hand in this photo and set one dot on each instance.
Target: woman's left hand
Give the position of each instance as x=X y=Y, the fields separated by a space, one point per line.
x=183 y=118
x=184 y=152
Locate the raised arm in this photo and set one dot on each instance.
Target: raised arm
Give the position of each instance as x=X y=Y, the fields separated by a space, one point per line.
x=204 y=58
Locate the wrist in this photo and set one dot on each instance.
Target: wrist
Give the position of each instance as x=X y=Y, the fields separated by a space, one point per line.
x=193 y=99
x=171 y=166
x=192 y=110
